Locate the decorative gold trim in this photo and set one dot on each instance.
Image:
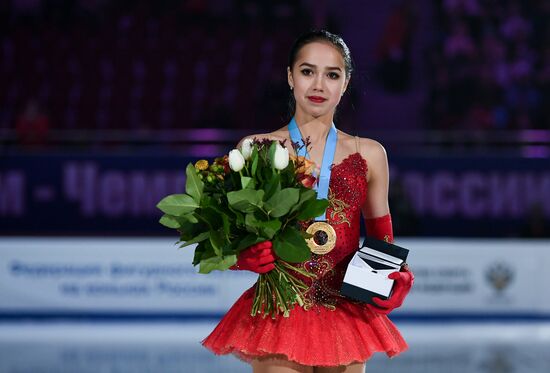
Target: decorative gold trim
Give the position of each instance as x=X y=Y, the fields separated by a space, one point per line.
x=308 y=303
x=337 y=215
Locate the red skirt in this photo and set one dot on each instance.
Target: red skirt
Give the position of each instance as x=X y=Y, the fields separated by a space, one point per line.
x=317 y=337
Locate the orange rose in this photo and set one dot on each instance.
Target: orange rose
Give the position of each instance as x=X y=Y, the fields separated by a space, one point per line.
x=307 y=180
x=303 y=165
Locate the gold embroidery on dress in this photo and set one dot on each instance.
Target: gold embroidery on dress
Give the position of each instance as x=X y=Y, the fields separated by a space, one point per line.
x=319 y=292
x=308 y=303
x=337 y=215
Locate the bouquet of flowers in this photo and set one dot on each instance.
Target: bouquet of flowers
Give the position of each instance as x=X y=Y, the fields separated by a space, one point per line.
x=254 y=194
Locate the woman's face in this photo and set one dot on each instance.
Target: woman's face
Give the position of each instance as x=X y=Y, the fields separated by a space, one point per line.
x=318 y=79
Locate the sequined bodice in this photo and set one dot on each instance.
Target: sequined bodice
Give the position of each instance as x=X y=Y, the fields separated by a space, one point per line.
x=347 y=192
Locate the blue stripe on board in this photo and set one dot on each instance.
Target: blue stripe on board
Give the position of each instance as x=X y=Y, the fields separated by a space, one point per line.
x=460 y=317
x=108 y=316
x=132 y=316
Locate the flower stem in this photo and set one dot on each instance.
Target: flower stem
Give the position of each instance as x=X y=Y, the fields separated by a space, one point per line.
x=278 y=291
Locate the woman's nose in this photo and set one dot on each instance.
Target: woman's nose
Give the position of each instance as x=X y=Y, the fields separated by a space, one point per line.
x=318 y=83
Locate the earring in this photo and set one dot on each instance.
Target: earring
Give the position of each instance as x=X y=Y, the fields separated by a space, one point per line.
x=291 y=88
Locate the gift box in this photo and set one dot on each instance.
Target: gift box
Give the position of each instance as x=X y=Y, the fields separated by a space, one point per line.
x=367 y=273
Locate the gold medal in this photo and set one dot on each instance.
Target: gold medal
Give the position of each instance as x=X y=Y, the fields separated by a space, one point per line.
x=324 y=237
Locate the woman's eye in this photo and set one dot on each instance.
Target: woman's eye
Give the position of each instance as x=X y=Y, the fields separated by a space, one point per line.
x=307 y=72
x=333 y=75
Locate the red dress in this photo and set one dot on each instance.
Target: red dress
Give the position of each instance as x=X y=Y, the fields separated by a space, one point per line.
x=329 y=330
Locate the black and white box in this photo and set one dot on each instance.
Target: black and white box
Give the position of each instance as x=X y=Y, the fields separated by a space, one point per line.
x=367 y=273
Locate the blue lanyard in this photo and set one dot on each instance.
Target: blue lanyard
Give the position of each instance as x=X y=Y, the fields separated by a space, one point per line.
x=328 y=157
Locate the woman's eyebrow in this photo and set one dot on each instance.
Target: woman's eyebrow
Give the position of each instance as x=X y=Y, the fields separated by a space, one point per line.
x=315 y=66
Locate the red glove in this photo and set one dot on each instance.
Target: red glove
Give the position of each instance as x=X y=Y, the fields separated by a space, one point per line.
x=403 y=283
x=257 y=258
x=380 y=227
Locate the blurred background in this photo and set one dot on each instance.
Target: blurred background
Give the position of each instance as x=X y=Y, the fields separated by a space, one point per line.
x=104 y=103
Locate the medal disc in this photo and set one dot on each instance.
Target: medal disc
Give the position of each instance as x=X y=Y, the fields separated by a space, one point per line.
x=324 y=238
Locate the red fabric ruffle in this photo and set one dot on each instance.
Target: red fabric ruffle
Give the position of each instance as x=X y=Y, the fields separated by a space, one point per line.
x=317 y=337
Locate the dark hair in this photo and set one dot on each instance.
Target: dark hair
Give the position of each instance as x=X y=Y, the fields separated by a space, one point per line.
x=318 y=36
x=323 y=36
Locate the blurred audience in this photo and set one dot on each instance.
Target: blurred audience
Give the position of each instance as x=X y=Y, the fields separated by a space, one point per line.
x=32 y=126
x=96 y=64
x=134 y=64
x=393 y=52
x=490 y=65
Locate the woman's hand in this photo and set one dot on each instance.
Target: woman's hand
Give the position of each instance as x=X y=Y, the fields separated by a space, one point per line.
x=403 y=283
x=257 y=258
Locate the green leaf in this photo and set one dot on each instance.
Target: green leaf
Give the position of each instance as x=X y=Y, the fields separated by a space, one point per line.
x=255 y=159
x=291 y=246
x=205 y=251
x=212 y=216
x=247 y=182
x=199 y=253
x=251 y=223
x=217 y=241
x=208 y=200
x=169 y=221
x=217 y=263
x=249 y=240
x=230 y=248
x=246 y=200
x=188 y=230
x=201 y=237
x=312 y=208
x=273 y=184
x=271 y=152
x=290 y=170
x=177 y=204
x=183 y=221
x=307 y=194
x=239 y=218
x=226 y=225
x=269 y=228
x=187 y=218
x=282 y=201
x=193 y=184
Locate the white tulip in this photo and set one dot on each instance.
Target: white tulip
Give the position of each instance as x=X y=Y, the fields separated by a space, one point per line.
x=236 y=160
x=246 y=148
x=280 y=158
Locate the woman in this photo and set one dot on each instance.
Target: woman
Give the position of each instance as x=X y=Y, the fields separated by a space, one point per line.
x=330 y=333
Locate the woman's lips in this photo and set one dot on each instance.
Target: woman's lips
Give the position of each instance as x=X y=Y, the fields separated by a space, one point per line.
x=316 y=99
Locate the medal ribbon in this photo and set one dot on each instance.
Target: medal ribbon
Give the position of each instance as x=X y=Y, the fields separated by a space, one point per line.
x=328 y=157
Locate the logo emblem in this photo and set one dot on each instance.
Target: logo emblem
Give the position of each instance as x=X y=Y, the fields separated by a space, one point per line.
x=500 y=276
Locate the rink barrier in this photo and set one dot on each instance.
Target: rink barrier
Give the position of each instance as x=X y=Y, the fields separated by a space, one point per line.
x=214 y=317
x=149 y=278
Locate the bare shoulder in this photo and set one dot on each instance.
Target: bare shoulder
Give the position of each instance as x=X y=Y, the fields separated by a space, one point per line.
x=370 y=149
x=373 y=150
x=347 y=142
x=377 y=160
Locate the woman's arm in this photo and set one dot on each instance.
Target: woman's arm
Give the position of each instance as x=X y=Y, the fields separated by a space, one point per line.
x=376 y=210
